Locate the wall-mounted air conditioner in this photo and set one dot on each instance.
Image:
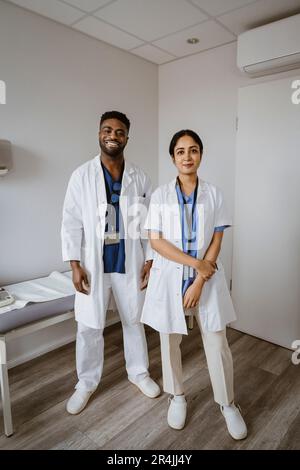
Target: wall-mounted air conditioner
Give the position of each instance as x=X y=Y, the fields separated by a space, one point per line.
x=271 y=48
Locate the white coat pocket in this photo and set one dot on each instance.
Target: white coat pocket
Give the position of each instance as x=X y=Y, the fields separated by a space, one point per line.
x=216 y=307
x=155 y=283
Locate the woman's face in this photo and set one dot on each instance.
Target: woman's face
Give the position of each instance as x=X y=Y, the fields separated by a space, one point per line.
x=187 y=156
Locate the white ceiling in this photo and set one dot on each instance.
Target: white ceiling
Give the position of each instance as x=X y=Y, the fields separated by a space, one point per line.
x=157 y=30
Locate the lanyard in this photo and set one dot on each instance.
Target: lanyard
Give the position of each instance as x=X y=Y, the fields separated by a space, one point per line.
x=188 y=228
x=112 y=213
x=189 y=221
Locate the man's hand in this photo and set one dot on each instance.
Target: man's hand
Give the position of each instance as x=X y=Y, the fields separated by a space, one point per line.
x=205 y=268
x=145 y=274
x=193 y=293
x=79 y=278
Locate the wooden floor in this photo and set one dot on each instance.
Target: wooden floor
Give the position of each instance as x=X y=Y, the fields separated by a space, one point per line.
x=118 y=416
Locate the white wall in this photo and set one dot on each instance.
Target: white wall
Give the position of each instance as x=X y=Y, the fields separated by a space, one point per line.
x=201 y=92
x=59 y=82
x=266 y=268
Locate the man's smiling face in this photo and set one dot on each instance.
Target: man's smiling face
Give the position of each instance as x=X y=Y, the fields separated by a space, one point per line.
x=113 y=137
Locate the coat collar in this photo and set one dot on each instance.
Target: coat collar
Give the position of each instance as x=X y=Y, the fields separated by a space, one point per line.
x=202 y=188
x=129 y=170
x=129 y=167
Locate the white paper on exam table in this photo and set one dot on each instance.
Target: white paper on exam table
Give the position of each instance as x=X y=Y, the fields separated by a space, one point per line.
x=52 y=287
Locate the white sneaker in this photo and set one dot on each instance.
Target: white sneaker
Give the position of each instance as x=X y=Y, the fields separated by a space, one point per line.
x=78 y=401
x=235 y=423
x=148 y=387
x=177 y=412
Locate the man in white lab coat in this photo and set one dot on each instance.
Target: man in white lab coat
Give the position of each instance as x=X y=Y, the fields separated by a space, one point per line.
x=106 y=197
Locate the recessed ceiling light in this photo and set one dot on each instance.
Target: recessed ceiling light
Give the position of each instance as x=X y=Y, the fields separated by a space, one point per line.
x=192 y=41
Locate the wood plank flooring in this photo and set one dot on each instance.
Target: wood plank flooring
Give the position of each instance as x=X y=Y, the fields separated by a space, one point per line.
x=118 y=416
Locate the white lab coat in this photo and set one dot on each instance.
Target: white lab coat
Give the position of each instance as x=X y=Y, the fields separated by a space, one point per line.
x=82 y=232
x=163 y=307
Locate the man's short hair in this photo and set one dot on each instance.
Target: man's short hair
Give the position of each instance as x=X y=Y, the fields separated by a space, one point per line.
x=116 y=115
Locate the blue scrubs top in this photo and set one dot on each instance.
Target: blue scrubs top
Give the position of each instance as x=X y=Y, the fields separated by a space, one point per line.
x=190 y=248
x=114 y=255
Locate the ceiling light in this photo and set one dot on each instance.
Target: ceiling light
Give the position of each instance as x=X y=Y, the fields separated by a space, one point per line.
x=192 y=41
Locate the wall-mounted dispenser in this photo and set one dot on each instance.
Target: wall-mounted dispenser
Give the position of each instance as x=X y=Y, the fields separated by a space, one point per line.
x=5 y=157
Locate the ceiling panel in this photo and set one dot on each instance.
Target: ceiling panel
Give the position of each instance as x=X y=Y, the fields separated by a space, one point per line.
x=88 y=5
x=217 y=7
x=259 y=13
x=153 y=54
x=100 y=30
x=153 y=19
x=164 y=24
x=55 y=10
x=210 y=34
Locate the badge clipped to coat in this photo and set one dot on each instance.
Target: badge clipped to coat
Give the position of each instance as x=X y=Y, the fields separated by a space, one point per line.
x=111 y=238
x=111 y=235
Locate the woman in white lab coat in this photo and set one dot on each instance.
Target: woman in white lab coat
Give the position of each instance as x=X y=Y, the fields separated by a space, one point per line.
x=186 y=220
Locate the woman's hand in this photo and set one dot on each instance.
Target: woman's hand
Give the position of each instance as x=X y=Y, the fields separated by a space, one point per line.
x=193 y=293
x=205 y=268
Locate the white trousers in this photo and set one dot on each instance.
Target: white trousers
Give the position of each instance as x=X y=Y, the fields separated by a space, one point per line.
x=90 y=341
x=219 y=362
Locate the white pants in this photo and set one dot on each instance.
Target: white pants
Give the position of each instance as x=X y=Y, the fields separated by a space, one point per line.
x=219 y=362
x=90 y=342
